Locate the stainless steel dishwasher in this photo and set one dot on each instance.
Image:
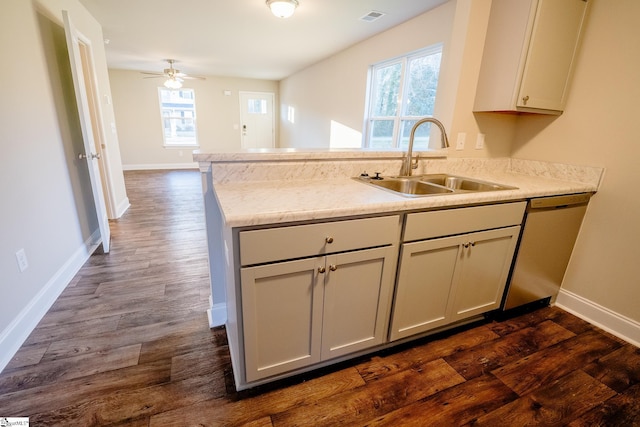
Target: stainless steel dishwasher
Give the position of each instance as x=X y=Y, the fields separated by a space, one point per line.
x=548 y=236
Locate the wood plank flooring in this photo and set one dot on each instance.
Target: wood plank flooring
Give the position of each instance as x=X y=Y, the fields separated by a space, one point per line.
x=128 y=344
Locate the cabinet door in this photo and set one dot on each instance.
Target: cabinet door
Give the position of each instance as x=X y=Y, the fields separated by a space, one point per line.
x=357 y=299
x=282 y=316
x=551 y=53
x=427 y=272
x=485 y=262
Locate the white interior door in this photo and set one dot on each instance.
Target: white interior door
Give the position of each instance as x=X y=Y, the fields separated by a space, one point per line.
x=257 y=120
x=75 y=58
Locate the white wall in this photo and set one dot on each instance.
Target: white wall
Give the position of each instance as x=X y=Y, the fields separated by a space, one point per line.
x=335 y=89
x=46 y=203
x=600 y=127
x=137 y=111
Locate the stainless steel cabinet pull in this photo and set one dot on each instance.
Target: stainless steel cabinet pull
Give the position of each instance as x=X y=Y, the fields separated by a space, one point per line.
x=333 y=267
x=329 y=240
x=321 y=270
x=466 y=245
x=525 y=99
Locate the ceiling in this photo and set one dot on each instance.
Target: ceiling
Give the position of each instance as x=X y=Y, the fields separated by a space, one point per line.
x=239 y=38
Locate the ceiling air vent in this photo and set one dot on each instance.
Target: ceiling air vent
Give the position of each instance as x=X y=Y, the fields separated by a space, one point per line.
x=372 y=16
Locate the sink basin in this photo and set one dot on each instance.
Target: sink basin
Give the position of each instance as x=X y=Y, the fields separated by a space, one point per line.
x=461 y=183
x=432 y=184
x=409 y=186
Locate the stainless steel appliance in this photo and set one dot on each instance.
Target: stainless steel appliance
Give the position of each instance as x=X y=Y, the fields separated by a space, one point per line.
x=548 y=236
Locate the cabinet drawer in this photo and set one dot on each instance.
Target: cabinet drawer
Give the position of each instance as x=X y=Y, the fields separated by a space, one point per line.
x=427 y=225
x=282 y=243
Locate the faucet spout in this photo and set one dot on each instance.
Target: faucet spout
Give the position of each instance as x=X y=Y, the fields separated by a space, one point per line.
x=406 y=168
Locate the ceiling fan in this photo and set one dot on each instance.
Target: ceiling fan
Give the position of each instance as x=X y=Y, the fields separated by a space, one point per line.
x=174 y=77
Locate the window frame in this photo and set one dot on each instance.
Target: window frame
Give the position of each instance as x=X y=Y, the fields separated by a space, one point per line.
x=169 y=144
x=399 y=118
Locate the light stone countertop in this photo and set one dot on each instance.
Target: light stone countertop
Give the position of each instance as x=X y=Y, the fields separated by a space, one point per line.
x=267 y=202
x=312 y=195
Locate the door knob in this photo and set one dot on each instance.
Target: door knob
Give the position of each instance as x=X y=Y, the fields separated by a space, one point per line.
x=91 y=156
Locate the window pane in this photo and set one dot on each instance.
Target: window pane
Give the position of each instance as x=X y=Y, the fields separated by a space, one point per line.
x=179 y=131
x=422 y=85
x=178 y=111
x=381 y=134
x=386 y=87
x=421 y=138
x=410 y=81
x=257 y=106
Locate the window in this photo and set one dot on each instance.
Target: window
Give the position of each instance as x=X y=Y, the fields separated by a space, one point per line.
x=401 y=91
x=178 y=110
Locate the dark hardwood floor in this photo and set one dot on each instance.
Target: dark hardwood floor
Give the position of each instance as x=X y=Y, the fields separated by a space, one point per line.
x=128 y=343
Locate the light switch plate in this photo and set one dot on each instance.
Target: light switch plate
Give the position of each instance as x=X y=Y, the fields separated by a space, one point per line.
x=462 y=137
x=480 y=141
x=21 y=257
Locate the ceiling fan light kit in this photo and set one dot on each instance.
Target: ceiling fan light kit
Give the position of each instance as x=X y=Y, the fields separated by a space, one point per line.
x=173 y=77
x=282 y=8
x=172 y=83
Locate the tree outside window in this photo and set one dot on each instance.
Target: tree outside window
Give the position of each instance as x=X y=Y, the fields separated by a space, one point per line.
x=402 y=91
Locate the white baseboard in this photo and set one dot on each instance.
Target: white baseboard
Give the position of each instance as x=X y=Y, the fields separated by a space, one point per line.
x=612 y=322
x=159 y=166
x=217 y=314
x=12 y=338
x=122 y=207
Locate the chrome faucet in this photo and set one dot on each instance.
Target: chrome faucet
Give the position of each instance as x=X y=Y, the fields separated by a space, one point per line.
x=408 y=162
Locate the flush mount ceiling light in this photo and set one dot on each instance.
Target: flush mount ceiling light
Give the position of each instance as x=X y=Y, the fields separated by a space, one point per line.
x=282 y=8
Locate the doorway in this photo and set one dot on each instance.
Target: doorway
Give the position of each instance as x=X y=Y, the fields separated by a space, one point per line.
x=257 y=129
x=82 y=71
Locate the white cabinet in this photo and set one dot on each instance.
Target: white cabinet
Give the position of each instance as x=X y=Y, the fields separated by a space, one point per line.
x=446 y=279
x=529 y=53
x=299 y=312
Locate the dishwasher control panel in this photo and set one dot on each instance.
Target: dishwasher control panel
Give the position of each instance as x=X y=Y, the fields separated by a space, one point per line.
x=556 y=201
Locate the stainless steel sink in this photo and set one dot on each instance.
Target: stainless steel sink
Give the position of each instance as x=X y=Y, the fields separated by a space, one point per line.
x=431 y=184
x=460 y=183
x=410 y=186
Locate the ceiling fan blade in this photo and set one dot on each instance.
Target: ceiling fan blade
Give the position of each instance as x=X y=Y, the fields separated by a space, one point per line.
x=170 y=73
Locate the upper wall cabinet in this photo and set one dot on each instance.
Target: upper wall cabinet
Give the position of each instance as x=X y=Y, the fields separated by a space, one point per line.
x=529 y=52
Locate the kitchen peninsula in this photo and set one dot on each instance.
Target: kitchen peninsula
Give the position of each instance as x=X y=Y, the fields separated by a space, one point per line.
x=304 y=258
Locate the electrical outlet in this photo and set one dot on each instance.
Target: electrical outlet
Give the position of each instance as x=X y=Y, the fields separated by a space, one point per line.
x=21 y=257
x=480 y=141
x=462 y=137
